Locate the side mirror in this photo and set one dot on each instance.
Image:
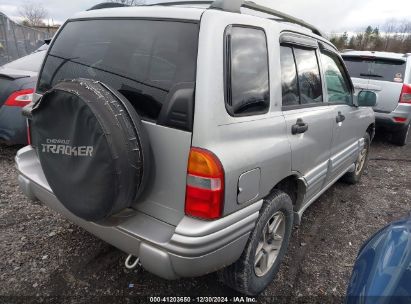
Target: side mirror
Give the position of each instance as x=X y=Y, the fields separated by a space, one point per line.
x=367 y=99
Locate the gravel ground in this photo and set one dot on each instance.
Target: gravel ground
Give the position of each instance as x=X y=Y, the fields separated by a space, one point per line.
x=45 y=256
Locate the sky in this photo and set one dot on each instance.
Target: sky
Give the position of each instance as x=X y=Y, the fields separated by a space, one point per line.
x=329 y=15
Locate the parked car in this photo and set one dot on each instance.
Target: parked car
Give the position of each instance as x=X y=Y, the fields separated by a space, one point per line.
x=193 y=137
x=17 y=81
x=382 y=271
x=389 y=75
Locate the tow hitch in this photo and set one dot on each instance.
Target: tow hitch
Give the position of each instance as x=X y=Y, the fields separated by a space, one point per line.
x=131 y=265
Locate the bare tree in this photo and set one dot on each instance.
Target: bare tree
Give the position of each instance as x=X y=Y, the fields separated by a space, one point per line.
x=130 y=2
x=33 y=14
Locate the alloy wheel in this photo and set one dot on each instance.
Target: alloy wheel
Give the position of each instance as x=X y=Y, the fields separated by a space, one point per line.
x=270 y=244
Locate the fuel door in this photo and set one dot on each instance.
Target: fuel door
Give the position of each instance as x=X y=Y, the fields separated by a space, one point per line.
x=248 y=186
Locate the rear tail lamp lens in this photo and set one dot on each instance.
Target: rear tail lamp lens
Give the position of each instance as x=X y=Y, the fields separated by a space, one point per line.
x=405 y=94
x=205 y=185
x=20 y=98
x=400 y=119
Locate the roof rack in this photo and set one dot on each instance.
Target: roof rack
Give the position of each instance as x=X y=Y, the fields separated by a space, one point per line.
x=180 y=3
x=106 y=5
x=235 y=6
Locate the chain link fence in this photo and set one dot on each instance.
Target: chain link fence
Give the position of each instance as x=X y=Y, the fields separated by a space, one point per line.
x=17 y=41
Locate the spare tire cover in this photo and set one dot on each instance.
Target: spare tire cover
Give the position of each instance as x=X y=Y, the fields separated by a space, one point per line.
x=92 y=148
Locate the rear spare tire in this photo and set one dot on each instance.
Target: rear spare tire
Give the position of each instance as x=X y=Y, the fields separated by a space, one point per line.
x=92 y=147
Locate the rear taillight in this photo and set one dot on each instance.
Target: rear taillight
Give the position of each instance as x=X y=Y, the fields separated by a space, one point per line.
x=405 y=94
x=205 y=185
x=400 y=119
x=20 y=98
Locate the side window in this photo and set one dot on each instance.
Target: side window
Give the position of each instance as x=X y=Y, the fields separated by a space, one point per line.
x=247 y=87
x=308 y=76
x=289 y=81
x=336 y=80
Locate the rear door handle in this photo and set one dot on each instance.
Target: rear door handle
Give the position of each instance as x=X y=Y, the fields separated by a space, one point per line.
x=300 y=127
x=340 y=117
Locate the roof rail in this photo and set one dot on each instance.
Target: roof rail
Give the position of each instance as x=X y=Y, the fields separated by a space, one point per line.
x=181 y=3
x=106 y=5
x=235 y=6
x=283 y=17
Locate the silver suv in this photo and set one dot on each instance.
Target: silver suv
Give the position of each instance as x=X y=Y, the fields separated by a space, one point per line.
x=389 y=75
x=193 y=137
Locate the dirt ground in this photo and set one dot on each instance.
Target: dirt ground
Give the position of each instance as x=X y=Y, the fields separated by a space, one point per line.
x=43 y=256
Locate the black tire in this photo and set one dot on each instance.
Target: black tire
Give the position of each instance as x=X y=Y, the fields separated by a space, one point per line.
x=400 y=138
x=354 y=177
x=241 y=276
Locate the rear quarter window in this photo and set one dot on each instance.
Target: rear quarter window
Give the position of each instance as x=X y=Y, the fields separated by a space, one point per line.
x=247 y=76
x=142 y=59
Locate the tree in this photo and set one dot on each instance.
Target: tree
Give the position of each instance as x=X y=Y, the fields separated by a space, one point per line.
x=130 y=2
x=343 y=41
x=359 y=41
x=367 y=37
x=33 y=14
x=393 y=36
x=376 y=40
x=351 y=44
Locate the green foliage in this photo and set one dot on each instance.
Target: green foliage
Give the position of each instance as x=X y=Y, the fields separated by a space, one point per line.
x=394 y=36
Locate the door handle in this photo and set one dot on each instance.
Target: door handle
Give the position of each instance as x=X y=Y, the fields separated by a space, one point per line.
x=300 y=127
x=340 y=117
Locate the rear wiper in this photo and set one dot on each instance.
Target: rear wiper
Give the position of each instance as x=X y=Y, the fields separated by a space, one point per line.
x=372 y=75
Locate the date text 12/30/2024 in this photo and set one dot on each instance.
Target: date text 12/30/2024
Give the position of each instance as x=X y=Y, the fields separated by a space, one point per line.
x=202 y=300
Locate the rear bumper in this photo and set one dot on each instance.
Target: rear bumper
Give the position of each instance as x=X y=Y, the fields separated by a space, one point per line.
x=192 y=248
x=13 y=127
x=387 y=121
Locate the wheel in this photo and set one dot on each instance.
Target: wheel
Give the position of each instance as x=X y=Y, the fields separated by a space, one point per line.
x=361 y=163
x=400 y=138
x=265 y=249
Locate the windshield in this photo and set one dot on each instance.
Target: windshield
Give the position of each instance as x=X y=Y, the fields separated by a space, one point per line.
x=30 y=62
x=143 y=59
x=375 y=68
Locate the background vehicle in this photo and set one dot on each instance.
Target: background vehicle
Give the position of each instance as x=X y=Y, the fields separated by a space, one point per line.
x=383 y=267
x=17 y=82
x=193 y=150
x=389 y=75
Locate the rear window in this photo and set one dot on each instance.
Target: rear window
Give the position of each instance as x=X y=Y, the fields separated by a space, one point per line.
x=376 y=69
x=143 y=59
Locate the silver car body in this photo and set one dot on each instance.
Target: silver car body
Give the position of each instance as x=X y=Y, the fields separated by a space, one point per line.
x=389 y=92
x=257 y=152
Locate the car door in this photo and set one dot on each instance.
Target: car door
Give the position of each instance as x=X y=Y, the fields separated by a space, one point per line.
x=347 y=127
x=308 y=118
